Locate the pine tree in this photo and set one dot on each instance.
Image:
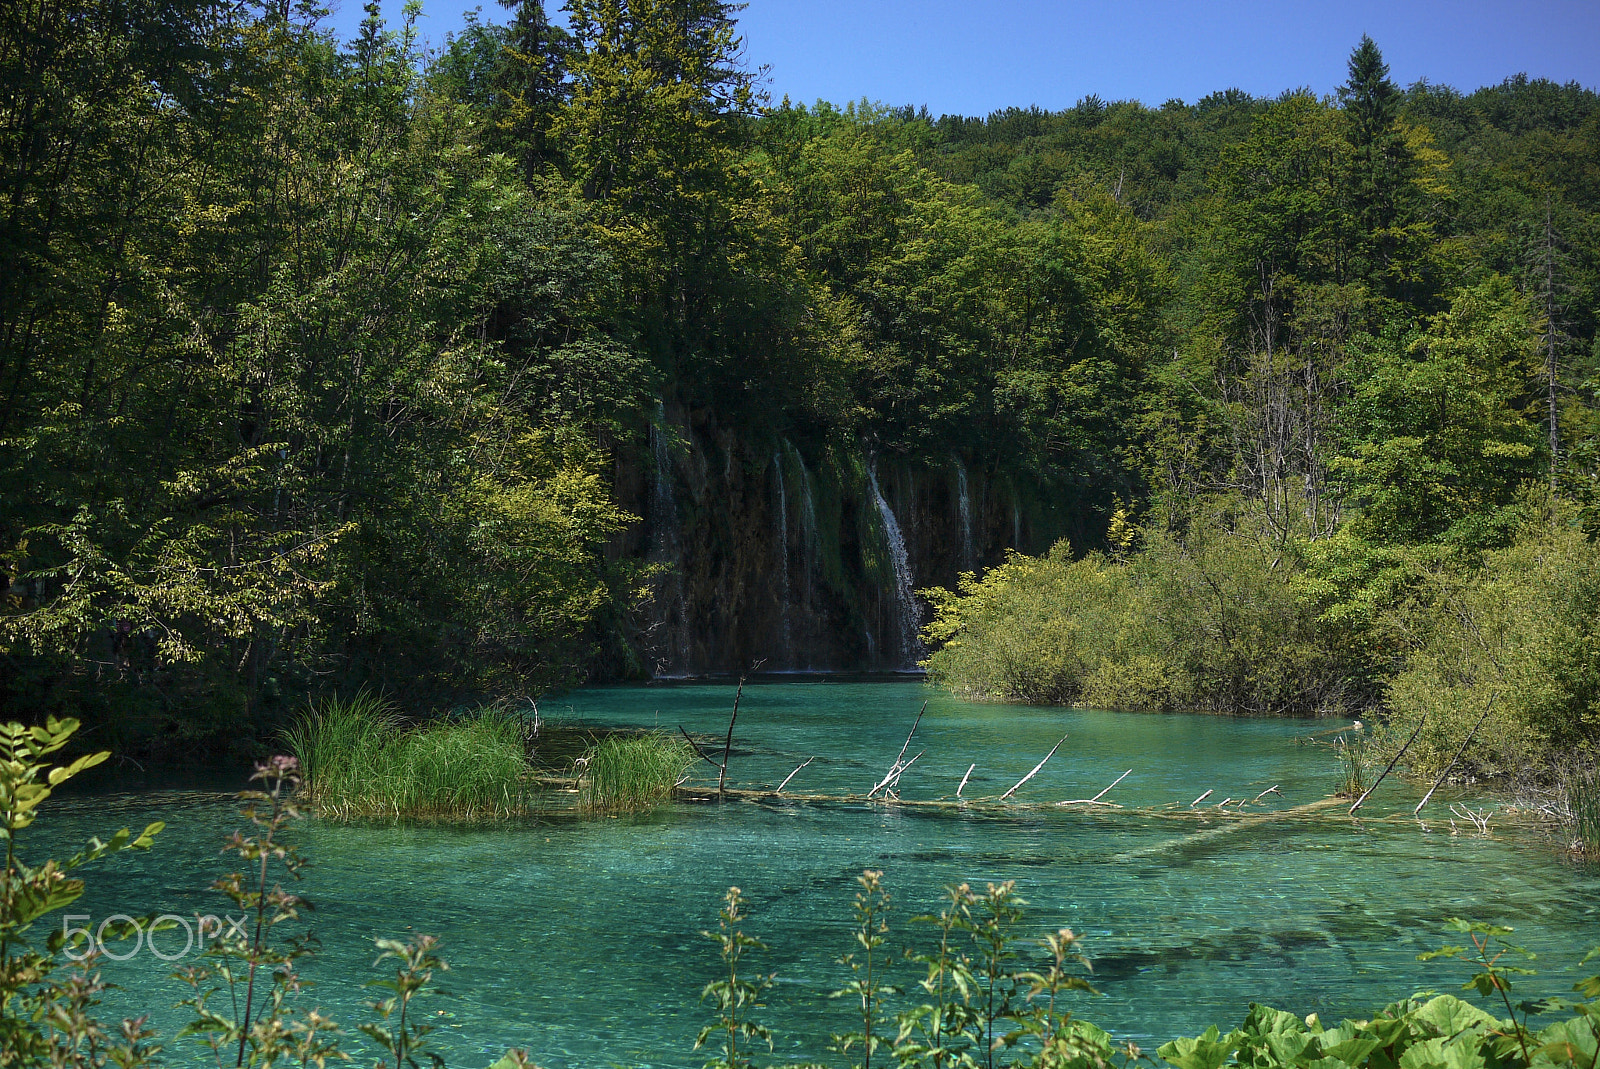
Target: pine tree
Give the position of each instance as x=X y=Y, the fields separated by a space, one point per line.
x=1380 y=172
x=530 y=86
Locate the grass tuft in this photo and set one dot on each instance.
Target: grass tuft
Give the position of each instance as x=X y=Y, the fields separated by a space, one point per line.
x=1353 y=750
x=626 y=773
x=360 y=760
x=1583 y=799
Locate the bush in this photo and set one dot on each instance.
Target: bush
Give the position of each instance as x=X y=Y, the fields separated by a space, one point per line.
x=1216 y=619
x=1518 y=637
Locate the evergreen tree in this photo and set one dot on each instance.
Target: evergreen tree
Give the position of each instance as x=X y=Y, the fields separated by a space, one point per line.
x=1381 y=168
x=530 y=86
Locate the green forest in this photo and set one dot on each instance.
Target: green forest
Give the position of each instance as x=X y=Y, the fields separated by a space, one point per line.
x=338 y=365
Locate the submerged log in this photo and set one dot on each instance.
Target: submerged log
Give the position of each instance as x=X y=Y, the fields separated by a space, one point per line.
x=1241 y=823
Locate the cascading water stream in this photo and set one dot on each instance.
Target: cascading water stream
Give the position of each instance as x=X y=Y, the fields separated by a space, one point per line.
x=808 y=526
x=663 y=507
x=964 y=507
x=666 y=537
x=783 y=554
x=910 y=647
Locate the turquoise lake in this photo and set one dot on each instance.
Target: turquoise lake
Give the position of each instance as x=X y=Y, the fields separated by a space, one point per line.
x=578 y=939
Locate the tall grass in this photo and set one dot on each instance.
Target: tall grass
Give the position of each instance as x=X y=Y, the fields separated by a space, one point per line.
x=360 y=760
x=625 y=773
x=1354 y=753
x=1583 y=799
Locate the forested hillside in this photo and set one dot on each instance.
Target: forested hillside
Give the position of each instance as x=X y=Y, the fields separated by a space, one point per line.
x=564 y=353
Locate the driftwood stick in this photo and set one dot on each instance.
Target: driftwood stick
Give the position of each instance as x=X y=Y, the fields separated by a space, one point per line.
x=1035 y=771
x=897 y=767
x=910 y=733
x=1392 y=762
x=1222 y=803
x=1114 y=782
x=1096 y=799
x=697 y=748
x=1270 y=790
x=1461 y=750
x=1192 y=804
x=793 y=774
x=903 y=768
x=727 y=747
x=964 y=779
x=901 y=771
x=893 y=776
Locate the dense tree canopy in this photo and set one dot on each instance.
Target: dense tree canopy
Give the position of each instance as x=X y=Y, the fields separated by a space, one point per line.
x=322 y=364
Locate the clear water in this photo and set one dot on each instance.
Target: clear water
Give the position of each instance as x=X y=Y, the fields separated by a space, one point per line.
x=579 y=939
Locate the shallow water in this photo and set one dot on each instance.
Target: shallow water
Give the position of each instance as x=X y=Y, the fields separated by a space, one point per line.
x=579 y=939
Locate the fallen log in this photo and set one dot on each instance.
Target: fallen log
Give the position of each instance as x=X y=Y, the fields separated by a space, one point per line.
x=1239 y=824
x=1392 y=762
x=1461 y=750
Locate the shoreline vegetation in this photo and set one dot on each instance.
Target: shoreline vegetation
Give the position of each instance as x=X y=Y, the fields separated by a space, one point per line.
x=1475 y=667
x=360 y=760
x=980 y=994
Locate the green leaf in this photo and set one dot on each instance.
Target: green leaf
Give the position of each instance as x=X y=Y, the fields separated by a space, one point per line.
x=1449 y=1015
x=1206 y=1051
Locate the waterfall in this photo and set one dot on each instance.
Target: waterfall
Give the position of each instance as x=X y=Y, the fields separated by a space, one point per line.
x=905 y=602
x=964 y=506
x=783 y=553
x=1016 y=526
x=663 y=507
x=808 y=525
x=666 y=540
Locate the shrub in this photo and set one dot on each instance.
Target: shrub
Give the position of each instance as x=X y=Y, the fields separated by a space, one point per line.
x=1518 y=636
x=1217 y=619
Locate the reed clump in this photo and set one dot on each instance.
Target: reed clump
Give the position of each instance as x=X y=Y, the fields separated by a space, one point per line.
x=360 y=759
x=1583 y=801
x=1354 y=752
x=627 y=773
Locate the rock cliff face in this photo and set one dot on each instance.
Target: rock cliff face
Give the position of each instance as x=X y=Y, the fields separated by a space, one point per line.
x=801 y=555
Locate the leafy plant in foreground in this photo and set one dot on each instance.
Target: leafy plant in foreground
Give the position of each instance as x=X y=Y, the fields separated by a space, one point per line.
x=416 y=965
x=938 y=1033
x=736 y=996
x=44 y=1020
x=866 y=965
x=1489 y=947
x=1063 y=1041
x=258 y=1026
x=990 y=922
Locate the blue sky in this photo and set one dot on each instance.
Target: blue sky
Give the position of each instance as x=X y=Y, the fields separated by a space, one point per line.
x=971 y=58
